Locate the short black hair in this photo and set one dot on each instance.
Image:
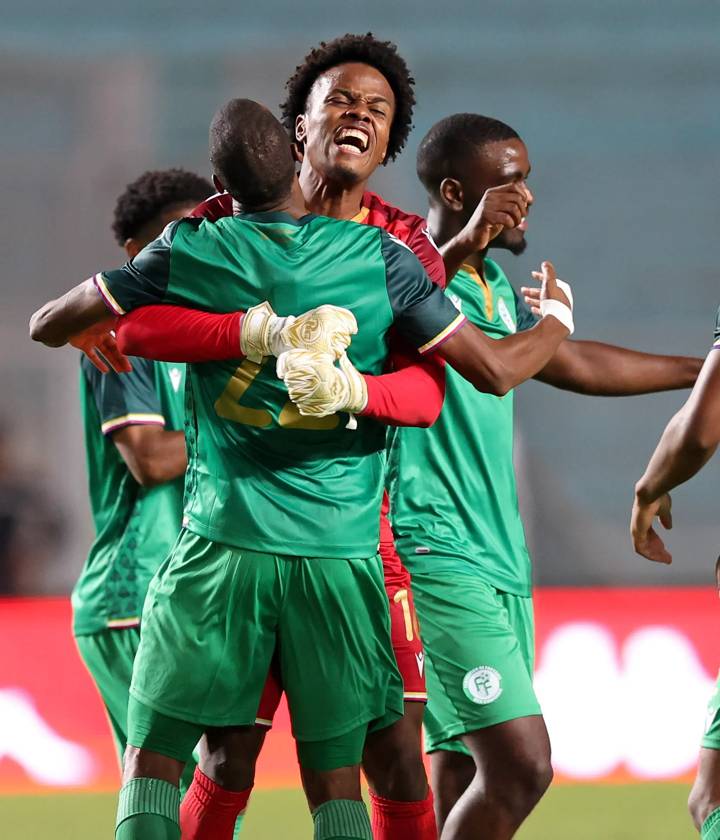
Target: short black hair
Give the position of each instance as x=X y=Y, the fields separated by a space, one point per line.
x=365 y=49
x=146 y=198
x=250 y=153
x=443 y=149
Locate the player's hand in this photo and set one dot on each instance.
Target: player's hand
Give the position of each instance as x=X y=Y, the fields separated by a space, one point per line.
x=552 y=297
x=500 y=207
x=646 y=541
x=99 y=345
x=325 y=329
x=318 y=386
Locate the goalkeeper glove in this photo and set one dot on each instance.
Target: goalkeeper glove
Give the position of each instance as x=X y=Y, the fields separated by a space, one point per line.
x=318 y=386
x=325 y=329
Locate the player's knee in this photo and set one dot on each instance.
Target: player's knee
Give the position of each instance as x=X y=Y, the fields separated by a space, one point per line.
x=701 y=803
x=524 y=783
x=393 y=765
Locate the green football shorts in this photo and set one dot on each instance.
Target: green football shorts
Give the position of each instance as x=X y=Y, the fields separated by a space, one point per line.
x=479 y=653
x=711 y=739
x=214 y=615
x=108 y=655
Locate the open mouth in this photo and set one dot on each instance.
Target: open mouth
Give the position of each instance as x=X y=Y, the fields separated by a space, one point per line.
x=354 y=141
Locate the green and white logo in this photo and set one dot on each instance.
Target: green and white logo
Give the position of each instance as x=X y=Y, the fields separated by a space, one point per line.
x=482 y=684
x=507 y=318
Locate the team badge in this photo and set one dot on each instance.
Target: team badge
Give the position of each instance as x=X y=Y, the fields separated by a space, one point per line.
x=175 y=375
x=456 y=302
x=507 y=318
x=482 y=685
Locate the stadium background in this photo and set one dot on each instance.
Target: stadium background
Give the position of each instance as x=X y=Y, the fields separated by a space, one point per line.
x=618 y=105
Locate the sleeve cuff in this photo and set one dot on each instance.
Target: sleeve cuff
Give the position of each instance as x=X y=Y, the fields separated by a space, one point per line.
x=443 y=336
x=106 y=295
x=133 y=419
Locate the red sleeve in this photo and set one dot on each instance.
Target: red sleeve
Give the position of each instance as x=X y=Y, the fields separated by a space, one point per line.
x=176 y=334
x=412 y=395
x=214 y=208
x=426 y=251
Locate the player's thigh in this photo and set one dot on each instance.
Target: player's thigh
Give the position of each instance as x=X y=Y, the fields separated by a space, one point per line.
x=337 y=663
x=705 y=793
x=477 y=668
x=208 y=633
x=109 y=656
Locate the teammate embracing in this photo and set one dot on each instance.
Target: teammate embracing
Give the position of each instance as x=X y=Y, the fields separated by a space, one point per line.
x=454 y=504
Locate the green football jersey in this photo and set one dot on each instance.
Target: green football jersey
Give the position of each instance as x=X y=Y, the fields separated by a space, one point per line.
x=260 y=475
x=453 y=501
x=135 y=527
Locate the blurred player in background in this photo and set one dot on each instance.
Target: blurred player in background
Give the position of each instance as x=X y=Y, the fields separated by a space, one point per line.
x=687 y=444
x=454 y=504
x=136 y=462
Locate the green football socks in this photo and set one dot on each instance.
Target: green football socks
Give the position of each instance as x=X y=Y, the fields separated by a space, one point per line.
x=149 y=809
x=711 y=827
x=342 y=819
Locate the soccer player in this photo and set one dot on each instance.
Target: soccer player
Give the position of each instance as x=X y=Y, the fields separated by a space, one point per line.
x=454 y=506
x=687 y=444
x=348 y=109
x=136 y=461
x=262 y=477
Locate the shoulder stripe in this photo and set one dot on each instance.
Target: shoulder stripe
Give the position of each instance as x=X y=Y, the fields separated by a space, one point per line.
x=133 y=419
x=451 y=328
x=105 y=294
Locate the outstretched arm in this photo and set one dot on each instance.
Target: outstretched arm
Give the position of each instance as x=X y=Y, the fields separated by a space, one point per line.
x=589 y=367
x=688 y=442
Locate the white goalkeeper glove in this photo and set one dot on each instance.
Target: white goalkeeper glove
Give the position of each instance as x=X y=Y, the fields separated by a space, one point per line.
x=326 y=329
x=318 y=386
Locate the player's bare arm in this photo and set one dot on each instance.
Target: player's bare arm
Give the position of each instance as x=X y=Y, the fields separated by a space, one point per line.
x=605 y=370
x=58 y=320
x=152 y=454
x=686 y=445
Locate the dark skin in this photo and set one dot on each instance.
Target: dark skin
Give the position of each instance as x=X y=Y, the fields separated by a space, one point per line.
x=509 y=768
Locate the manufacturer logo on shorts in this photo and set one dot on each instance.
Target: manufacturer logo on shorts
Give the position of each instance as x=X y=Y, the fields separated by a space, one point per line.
x=420 y=659
x=506 y=316
x=482 y=685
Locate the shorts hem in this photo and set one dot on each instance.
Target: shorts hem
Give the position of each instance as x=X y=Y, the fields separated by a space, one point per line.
x=710 y=743
x=187 y=717
x=452 y=733
x=347 y=727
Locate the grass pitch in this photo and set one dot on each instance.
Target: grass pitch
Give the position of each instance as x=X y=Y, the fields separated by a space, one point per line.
x=568 y=812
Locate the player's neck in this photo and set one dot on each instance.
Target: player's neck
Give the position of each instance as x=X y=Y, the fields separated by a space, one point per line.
x=293 y=204
x=443 y=228
x=329 y=199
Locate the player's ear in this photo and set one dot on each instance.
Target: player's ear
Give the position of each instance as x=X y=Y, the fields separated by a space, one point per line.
x=132 y=248
x=300 y=128
x=451 y=194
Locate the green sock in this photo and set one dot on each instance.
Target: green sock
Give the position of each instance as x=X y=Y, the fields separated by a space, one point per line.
x=149 y=809
x=238 y=826
x=711 y=827
x=342 y=819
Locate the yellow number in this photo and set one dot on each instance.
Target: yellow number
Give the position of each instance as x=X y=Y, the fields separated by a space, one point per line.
x=411 y=623
x=290 y=418
x=228 y=405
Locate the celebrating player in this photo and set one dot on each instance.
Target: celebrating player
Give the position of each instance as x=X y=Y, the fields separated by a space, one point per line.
x=248 y=445
x=687 y=444
x=136 y=460
x=349 y=108
x=454 y=505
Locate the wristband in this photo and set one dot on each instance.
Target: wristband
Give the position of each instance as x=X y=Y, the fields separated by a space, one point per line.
x=560 y=311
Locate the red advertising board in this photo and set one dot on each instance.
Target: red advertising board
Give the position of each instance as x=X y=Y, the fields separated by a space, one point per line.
x=623 y=676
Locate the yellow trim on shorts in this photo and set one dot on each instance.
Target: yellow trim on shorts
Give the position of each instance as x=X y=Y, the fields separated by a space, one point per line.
x=115 y=623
